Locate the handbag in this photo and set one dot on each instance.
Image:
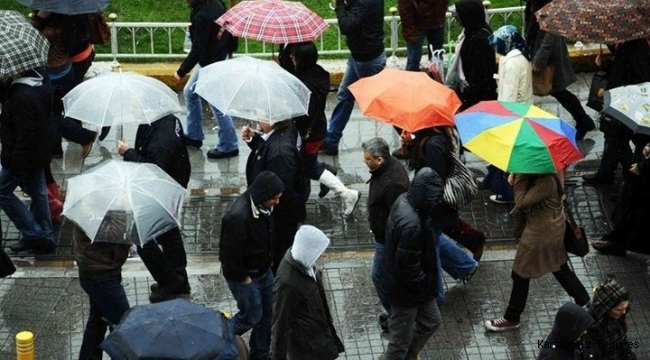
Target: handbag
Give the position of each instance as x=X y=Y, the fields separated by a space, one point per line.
x=596 y=91
x=461 y=187
x=543 y=81
x=575 y=238
x=100 y=32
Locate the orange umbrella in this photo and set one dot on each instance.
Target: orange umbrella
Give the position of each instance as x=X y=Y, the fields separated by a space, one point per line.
x=409 y=100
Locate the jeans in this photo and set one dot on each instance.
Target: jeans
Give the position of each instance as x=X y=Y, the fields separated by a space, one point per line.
x=453 y=260
x=377 y=265
x=227 y=137
x=255 y=304
x=435 y=38
x=410 y=328
x=33 y=223
x=167 y=266
x=108 y=303
x=341 y=114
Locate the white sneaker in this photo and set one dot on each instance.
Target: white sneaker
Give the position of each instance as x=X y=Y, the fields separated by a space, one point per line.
x=498 y=199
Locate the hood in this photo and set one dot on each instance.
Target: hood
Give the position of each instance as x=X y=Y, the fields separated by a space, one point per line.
x=308 y=245
x=606 y=296
x=471 y=15
x=265 y=186
x=570 y=322
x=425 y=191
x=506 y=39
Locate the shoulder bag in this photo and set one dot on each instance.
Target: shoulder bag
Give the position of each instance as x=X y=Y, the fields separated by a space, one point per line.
x=461 y=187
x=596 y=90
x=543 y=81
x=575 y=239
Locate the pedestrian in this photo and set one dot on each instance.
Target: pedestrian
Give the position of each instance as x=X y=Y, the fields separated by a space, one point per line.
x=420 y=19
x=161 y=143
x=538 y=198
x=100 y=263
x=549 y=49
x=245 y=253
x=565 y=342
x=302 y=323
x=206 y=50
x=410 y=271
x=362 y=23
x=388 y=180
x=24 y=123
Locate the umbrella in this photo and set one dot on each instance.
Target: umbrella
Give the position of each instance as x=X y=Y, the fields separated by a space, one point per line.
x=253 y=89
x=67 y=7
x=407 y=99
x=596 y=20
x=518 y=137
x=274 y=21
x=630 y=105
x=22 y=47
x=120 y=98
x=175 y=329
x=142 y=190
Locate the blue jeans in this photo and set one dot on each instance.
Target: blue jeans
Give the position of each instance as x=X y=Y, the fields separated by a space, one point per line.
x=33 y=223
x=435 y=37
x=377 y=265
x=453 y=260
x=341 y=114
x=108 y=303
x=255 y=304
x=227 y=137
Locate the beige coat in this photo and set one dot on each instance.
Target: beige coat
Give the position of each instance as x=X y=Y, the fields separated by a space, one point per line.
x=515 y=78
x=541 y=246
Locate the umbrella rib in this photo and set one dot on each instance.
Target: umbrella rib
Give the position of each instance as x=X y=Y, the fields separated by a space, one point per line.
x=158 y=201
x=107 y=101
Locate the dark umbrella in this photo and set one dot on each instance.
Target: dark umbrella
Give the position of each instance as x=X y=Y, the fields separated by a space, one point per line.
x=175 y=329
x=67 y=7
x=22 y=47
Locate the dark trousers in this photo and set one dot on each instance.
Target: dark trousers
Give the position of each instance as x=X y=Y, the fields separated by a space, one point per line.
x=616 y=149
x=410 y=328
x=72 y=130
x=572 y=104
x=167 y=266
x=520 y=286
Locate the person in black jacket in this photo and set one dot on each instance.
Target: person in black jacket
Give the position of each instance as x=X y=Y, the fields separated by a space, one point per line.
x=161 y=143
x=410 y=276
x=302 y=323
x=565 y=340
x=245 y=252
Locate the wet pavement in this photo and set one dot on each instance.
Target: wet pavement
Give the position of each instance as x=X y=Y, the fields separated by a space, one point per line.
x=44 y=295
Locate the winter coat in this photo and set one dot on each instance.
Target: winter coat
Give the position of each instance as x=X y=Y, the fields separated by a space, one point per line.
x=246 y=236
x=386 y=184
x=313 y=126
x=630 y=64
x=571 y=321
x=161 y=143
x=302 y=324
x=421 y=15
x=515 y=78
x=362 y=23
x=409 y=276
x=541 y=246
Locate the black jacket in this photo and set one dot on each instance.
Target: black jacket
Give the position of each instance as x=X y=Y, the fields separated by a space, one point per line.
x=386 y=184
x=313 y=126
x=362 y=23
x=571 y=321
x=161 y=143
x=409 y=275
x=630 y=64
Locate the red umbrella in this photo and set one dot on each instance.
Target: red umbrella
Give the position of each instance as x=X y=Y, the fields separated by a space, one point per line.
x=273 y=21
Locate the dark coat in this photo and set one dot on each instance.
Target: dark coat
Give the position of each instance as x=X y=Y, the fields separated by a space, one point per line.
x=571 y=321
x=386 y=184
x=410 y=273
x=630 y=64
x=302 y=323
x=313 y=126
x=421 y=15
x=161 y=143
x=362 y=23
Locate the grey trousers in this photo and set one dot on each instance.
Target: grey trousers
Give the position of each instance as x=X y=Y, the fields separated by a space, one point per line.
x=410 y=328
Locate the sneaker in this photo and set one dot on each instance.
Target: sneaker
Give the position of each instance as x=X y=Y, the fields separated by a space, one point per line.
x=500 y=324
x=499 y=199
x=216 y=154
x=193 y=143
x=465 y=279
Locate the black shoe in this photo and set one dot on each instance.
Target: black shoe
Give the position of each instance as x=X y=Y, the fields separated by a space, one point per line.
x=185 y=290
x=383 y=322
x=329 y=150
x=216 y=154
x=324 y=190
x=609 y=248
x=42 y=247
x=596 y=179
x=164 y=294
x=193 y=143
x=153 y=287
x=104 y=133
x=21 y=245
x=584 y=126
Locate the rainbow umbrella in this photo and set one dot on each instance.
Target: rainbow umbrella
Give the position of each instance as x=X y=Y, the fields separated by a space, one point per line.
x=518 y=137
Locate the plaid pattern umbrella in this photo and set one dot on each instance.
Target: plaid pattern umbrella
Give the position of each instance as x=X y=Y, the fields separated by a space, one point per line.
x=597 y=21
x=273 y=21
x=67 y=7
x=22 y=47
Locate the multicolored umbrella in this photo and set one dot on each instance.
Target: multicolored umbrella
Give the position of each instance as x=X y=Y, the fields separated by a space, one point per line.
x=273 y=21
x=630 y=105
x=22 y=47
x=518 y=137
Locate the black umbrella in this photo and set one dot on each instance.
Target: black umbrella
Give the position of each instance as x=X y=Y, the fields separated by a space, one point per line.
x=175 y=329
x=67 y=7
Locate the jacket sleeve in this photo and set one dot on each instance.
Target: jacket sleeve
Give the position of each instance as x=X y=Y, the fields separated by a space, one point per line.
x=408 y=259
x=350 y=19
x=526 y=197
x=435 y=156
x=283 y=306
x=543 y=53
x=25 y=114
x=407 y=16
x=230 y=250
x=201 y=31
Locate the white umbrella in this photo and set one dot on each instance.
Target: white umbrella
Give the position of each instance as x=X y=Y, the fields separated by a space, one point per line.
x=253 y=89
x=144 y=191
x=120 y=98
x=630 y=105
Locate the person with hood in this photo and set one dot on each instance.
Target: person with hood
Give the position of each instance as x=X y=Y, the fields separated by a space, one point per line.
x=610 y=305
x=565 y=342
x=302 y=323
x=206 y=49
x=420 y=19
x=474 y=65
x=245 y=253
x=161 y=143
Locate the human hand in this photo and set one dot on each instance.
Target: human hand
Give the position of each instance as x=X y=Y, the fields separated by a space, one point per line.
x=511 y=179
x=122 y=147
x=247 y=133
x=635 y=169
x=646 y=151
x=177 y=77
x=247 y=281
x=537 y=68
x=599 y=60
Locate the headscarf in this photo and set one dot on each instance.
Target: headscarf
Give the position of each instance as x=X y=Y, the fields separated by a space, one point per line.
x=507 y=38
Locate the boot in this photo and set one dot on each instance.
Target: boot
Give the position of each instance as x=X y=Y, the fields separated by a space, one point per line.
x=54 y=200
x=350 y=197
x=324 y=190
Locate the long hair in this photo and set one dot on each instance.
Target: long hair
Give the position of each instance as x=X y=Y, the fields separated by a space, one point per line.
x=418 y=145
x=305 y=54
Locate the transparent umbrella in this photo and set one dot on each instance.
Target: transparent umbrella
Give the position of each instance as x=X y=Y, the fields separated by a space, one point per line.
x=253 y=89
x=144 y=191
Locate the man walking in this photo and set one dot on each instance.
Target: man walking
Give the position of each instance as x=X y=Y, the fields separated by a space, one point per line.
x=420 y=19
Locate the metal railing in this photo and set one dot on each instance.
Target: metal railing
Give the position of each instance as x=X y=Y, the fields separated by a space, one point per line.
x=144 y=40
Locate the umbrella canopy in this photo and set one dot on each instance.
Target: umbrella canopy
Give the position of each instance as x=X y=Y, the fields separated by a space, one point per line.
x=175 y=329
x=22 y=47
x=253 y=89
x=407 y=99
x=67 y=7
x=274 y=21
x=120 y=98
x=518 y=137
x=630 y=105
x=596 y=20
x=144 y=191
